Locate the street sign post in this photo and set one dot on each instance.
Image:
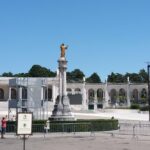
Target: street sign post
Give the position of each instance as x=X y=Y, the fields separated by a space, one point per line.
x=24 y=125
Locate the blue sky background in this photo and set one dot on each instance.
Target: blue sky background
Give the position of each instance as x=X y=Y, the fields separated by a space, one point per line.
x=104 y=36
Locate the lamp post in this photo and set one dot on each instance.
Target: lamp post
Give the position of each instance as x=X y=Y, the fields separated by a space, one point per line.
x=148 y=71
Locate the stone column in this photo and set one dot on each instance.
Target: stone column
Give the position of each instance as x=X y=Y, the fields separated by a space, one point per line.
x=60 y=87
x=65 y=100
x=84 y=96
x=64 y=83
x=106 y=95
x=20 y=97
x=42 y=93
x=53 y=93
x=62 y=109
x=128 y=92
x=9 y=98
x=95 y=99
x=58 y=107
x=20 y=93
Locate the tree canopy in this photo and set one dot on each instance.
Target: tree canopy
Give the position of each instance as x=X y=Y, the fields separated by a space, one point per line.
x=94 y=78
x=38 y=71
x=77 y=75
x=141 y=77
x=7 y=74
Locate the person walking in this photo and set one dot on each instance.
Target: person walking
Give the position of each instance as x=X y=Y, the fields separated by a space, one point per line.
x=3 y=127
x=47 y=126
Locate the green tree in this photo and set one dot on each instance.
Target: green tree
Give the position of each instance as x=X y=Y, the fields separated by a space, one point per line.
x=7 y=74
x=94 y=78
x=22 y=75
x=116 y=78
x=111 y=77
x=69 y=77
x=134 y=77
x=38 y=71
x=144 y=76
x=75 y=76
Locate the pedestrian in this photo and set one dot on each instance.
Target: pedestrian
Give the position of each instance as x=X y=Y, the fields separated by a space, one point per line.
x=13 y=118
x=3 y=127
x=47 y=126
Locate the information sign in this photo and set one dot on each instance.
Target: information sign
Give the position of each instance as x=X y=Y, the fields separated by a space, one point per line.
x=24 y=123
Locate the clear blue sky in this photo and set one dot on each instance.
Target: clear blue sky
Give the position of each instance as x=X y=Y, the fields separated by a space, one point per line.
x=104 y=36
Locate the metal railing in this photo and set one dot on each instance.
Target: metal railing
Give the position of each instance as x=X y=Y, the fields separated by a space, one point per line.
x=57 y=127
x=134 y=129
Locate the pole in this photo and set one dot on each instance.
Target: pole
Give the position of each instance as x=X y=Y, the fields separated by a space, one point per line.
x=24 y=139
x=148 y=70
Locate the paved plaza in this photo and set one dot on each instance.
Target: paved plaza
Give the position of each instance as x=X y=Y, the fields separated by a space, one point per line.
x=77 y=142
x=128 y=137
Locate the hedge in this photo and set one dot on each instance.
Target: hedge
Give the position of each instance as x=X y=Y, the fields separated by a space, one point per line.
x=144 y=108
x=70 y=126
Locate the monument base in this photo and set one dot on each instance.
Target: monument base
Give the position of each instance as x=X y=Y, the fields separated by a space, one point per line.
x=58 y=108
x=66 y=106
x=62 y=118
x=62 y=112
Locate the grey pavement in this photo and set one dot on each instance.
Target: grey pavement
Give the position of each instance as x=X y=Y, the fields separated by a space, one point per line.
x=127 y=138
x=79 y=141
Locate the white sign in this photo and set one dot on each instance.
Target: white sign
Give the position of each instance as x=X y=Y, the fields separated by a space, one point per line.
x=24 y=123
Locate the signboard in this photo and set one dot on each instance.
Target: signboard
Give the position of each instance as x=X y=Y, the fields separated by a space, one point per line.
x=24 y=123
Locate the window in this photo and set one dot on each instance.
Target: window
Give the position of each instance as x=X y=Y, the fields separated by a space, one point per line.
x=13 y=94
x=135 y=95
x=24 y=93
x=1 y=94
x=99 y=95
x=49 y=94
x=69 y=91
x=122 y=96
x=113 y=96
x=144 y=94
x=77 y=91
x=91 y=95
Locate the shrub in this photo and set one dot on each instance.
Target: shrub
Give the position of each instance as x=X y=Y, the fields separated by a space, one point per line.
x=144 y=108
x=135 y=106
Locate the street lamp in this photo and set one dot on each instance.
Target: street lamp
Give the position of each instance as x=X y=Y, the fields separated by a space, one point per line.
x=148 y=71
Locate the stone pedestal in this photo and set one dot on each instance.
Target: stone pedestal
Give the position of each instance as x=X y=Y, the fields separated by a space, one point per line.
x=62 y=109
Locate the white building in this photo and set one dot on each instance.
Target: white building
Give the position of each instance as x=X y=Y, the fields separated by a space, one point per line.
x=38 y=95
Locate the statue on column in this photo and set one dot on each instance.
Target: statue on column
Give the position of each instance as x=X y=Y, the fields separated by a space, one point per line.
x=63 y=49
x=62 y=110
